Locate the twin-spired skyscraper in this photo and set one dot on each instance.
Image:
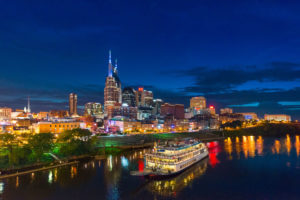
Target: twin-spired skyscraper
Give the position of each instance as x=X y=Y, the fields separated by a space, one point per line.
x=112 y=90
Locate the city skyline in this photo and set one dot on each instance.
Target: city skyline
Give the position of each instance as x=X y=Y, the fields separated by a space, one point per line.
x=249 y=66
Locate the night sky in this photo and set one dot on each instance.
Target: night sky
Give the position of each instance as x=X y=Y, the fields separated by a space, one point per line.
x=241 y=54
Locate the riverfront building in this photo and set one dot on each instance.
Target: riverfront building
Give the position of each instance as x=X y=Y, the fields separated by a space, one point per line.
x=280 y=117
x=230 y=117
x=250 y=116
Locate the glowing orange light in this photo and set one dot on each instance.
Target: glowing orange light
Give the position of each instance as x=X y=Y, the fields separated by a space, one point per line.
x=141 y=89
x=211 y=107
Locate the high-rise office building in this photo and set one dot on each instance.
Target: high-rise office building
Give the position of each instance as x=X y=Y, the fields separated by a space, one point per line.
x=73 y=104
x=139 y=96
x=112 y=90
x=144 y=97
x=124 y=111
x=198 y=103
x=148 y=98
x=157 y=106
x=129 y=97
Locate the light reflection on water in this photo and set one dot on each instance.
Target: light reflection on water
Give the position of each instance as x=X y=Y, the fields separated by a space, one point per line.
x=171 y=187
x=1 y=187
x=254 y=146
x=297 y=145
x=110 y=178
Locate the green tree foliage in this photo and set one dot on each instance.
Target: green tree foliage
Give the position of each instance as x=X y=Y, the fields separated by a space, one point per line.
x=41 y=143
x=264 y=129
x=8 y=141
x=76 y=142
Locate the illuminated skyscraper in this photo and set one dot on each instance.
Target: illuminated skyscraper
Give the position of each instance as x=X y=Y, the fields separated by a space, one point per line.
x=112 y=90
x=73 y=104
x=144 y=97
x=148 y=98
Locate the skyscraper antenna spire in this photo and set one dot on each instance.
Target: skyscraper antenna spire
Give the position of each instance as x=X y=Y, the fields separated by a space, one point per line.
x=109 y=64
x=116 y=63
x=109 y=57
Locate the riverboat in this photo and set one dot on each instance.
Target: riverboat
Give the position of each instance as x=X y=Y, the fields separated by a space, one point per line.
x=172 y=158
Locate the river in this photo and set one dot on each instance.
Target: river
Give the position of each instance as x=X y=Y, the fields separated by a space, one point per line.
x=237 y=168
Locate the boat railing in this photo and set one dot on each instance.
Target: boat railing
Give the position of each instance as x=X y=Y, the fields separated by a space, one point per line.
x=174 y=148
x=169 y=163
x=152 y=160
x=174 y=155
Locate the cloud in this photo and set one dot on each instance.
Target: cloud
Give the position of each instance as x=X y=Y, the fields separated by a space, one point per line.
x=218 y=80
x=289 y=103
x=254 y=104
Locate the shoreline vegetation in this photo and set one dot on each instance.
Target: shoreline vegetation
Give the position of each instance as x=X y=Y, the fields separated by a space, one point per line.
x=265 y=129
x=20 y=154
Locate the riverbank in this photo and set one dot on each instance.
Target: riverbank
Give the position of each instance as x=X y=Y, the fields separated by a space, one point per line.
x=132 y=141
x=24 y=172
x=112 y=146
x=21 y=170
x=265 y=129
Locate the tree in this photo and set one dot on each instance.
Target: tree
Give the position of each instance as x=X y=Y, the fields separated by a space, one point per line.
x=233 y=124
x=76 y=142
x=8 y=141
x=41 y=143
x=75 y=134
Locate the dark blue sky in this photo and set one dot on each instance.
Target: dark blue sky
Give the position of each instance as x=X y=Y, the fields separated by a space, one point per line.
x=243 y=54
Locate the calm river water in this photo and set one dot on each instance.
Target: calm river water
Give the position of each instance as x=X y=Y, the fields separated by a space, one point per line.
x=237 y=168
